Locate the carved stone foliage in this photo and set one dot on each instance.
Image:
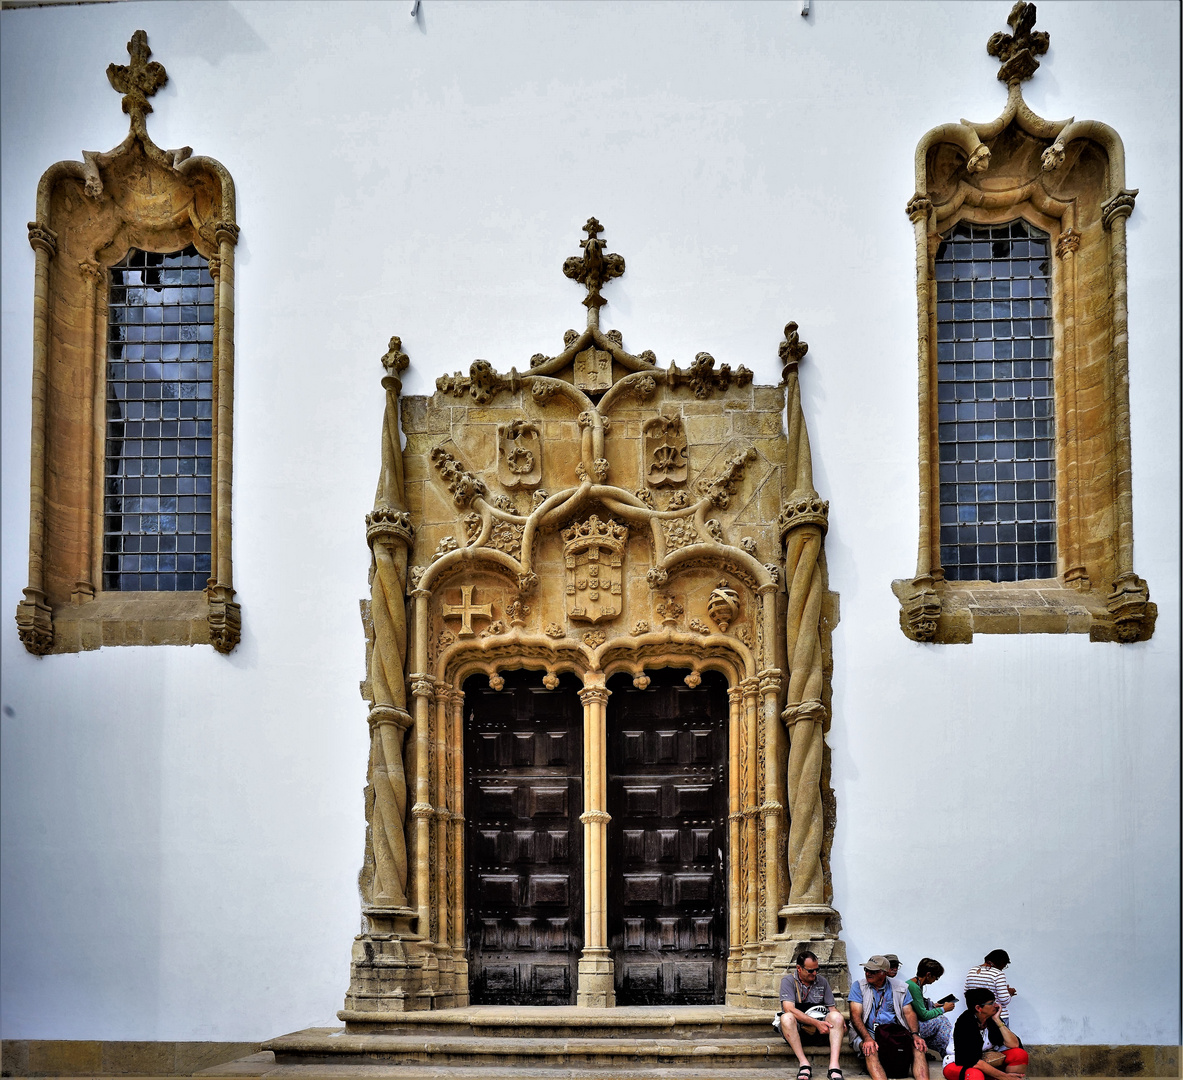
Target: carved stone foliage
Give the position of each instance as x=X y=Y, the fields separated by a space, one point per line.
x=593 y=553
x=461 y=483
x=665 y=451
x=679 y=532
x=1018 y=49
x=519 y=454
x=719 y=489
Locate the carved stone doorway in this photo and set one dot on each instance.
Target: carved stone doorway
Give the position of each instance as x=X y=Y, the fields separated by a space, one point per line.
x=667 y=796
x=523 y=754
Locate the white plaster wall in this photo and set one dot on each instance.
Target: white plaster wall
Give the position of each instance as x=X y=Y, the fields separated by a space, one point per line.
x=182 y=831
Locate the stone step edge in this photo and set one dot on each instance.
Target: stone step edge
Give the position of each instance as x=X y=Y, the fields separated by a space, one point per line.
x=355 y=1045
x=576 y=1018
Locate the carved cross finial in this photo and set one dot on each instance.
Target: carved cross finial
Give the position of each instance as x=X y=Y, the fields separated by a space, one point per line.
x=1017 y=50
x=138 y=80
x=593 y=268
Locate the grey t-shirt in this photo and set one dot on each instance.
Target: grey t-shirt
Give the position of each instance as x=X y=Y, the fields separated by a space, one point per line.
x=796 y=992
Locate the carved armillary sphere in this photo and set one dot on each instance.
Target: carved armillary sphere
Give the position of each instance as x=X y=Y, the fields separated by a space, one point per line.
x=594 y=267
x=138 y=80
x=1018 y=50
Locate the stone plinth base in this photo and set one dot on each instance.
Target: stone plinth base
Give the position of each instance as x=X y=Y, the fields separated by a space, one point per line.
x=597 y=980
x=391 y=970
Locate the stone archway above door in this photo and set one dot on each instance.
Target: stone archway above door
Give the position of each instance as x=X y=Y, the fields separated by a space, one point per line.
x=595 y=514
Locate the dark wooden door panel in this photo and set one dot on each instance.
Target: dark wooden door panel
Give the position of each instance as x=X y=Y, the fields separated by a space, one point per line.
x=667 y=796
x=523 y=796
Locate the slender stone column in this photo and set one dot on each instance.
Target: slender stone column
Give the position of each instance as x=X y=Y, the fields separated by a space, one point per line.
x=84 y=585
x=752 y=797
x=596 y=970
x=771 y=809
x=734 y=848
x=441 y=784
x=457 y=856
x=423 y=814
x=34 y=619
x=225 y=616
x=1068 y=532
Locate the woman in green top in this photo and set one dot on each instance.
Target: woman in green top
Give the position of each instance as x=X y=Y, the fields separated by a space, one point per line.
x=935 y=1027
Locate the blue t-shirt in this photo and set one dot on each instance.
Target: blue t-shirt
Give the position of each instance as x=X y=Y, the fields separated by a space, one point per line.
x=879 y=1010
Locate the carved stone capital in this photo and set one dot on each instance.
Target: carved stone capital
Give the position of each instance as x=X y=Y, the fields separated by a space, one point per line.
x=594 y=693
x=389 y=715
x=423 y=810
x=807 y=509
x=1067 y=243
x=921 y=611
x=1120 y=206
x=794 y=713
x=1130 y=606
x=43 y=238
x=215 y=267
x=770 y=682
x=225 y=619
x=423 y=688
x=386 y=526
x=918 y=207
x=771 y=808
x=226 y=232
x=91 y=271
x=34 y=622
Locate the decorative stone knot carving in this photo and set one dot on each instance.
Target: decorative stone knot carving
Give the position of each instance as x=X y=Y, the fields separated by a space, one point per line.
x=1067 y=242
x=538 y=359
x=519 y=456
x=744 y=633
x=554 y=630
x=600 y=469
x=646 y=496
x=43 y=238
x=640 y=627
x=389 y=714
x=748 y=544
x=550 y=680
x=593 y=552
x=641 y=681
x=714 y=528
x=693 y=680
x=448 y=543
x=472 y=522
x=920 y=614
x=461 y=483
x=423 y=810
x=918 y=207
x=493 y=629
x=668 y=610
x=595 y=638
x=542 y=391
x=538 y=498
x=482 y=383
x=665 y=451
x=496 y=682
x=679 y=500
x=598 y=817
x=720 y=489
x=527 y=582
x=699 y=627
x=679 y=533
x=645 y=387
x=595 y=267
x=704 y=380
x=446 y=638
x=773 y=572
x=657 y=577
x=517 y=612
x=792 y=350
x=570 y=337
x=812 y=710
x=138 y=80
x=1129 y=604
x=808 y=509
x=386 y=525
x=1018 y=49
x=1120 y=206
x=723 y=605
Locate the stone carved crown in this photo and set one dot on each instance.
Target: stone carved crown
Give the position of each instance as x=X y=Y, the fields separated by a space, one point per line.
x=594 y=532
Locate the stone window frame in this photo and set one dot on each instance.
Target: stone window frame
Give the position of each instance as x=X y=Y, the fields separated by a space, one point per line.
x=1067 y=178
x=89 y=214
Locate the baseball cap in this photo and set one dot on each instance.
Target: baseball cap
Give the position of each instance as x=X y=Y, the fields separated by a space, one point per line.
x=892 y=959
x=877 y=963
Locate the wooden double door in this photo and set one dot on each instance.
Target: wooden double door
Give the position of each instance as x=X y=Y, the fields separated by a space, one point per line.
x=666 y=751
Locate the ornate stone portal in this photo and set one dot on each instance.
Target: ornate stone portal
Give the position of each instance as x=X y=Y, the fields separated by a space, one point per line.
x=595 y=515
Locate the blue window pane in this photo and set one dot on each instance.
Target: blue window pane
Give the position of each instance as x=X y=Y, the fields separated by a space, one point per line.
x=996 y=414
x=164 y=301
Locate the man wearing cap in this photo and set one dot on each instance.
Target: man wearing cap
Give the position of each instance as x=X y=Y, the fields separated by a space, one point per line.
x=883 y=1026
x=809 y=1015
x=894 y=961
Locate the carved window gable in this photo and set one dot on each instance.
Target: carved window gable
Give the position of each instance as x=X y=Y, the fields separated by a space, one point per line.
x=129 y=538
x=1026 y=517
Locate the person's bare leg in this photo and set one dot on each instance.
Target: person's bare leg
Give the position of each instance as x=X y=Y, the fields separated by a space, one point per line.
x=837 y=1032
x=874 y=1067
x=788 y=1029
x=919 y=1065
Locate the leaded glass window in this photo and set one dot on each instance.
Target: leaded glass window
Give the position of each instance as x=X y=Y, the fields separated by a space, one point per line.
x=157 y=480
x=995 y=403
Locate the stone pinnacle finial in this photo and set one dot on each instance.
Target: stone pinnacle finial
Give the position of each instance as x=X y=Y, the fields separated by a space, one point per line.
x=792 y=350
x=1017 y=50
x=394 y=362
x=594 y=267
x=138 y=80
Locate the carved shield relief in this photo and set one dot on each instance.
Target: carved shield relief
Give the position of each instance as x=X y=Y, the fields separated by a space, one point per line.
x=519 y=454
x=593 y=551
x=593 y=370
x=665 y=451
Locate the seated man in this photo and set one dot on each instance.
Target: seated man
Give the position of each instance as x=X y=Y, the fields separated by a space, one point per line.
x=809 y=1015
x=982 y=1045
x=883 y=1026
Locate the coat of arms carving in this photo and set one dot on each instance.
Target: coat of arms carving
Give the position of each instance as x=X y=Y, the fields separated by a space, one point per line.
x=519 y=454
x=665 y=451
x=593 y=551
x=593 y=370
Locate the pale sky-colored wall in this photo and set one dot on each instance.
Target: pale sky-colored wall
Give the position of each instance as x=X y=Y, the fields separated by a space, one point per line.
x=182 y=831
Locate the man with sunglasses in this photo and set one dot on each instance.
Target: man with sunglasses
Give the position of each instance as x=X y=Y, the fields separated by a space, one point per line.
x=809 y=1015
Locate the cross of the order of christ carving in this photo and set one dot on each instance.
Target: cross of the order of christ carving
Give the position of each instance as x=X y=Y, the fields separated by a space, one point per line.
x=466 y=610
